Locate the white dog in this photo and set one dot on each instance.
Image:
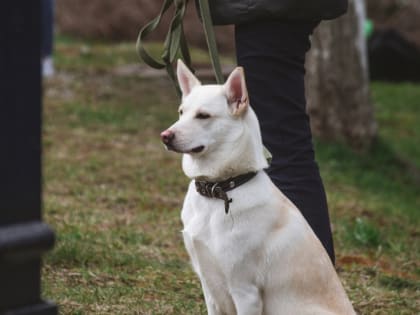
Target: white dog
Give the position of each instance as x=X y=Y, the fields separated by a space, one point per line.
x=250 y=246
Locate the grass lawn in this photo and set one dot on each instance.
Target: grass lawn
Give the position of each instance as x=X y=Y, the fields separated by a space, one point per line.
x=113 y=194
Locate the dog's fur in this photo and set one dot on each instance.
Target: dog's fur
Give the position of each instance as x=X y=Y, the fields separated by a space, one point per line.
x=262 y=257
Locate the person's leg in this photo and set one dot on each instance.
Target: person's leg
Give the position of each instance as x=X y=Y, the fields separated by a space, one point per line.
x=273 y=56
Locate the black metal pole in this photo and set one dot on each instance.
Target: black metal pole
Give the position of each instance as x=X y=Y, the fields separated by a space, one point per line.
x=23 y=235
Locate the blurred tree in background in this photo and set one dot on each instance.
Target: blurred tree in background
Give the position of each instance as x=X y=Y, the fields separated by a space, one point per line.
x=338 y=81
x=122 y=20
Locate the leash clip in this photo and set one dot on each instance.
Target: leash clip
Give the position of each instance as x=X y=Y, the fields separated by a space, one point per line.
x=217 y=192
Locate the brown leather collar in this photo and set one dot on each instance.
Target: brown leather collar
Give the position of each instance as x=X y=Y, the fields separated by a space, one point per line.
x=218 y=189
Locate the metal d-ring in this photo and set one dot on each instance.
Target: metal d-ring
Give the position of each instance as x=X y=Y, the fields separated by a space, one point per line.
x=216 y=189
x=213 y=189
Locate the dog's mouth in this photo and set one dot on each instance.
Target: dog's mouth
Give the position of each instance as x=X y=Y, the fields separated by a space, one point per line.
x=198 y=149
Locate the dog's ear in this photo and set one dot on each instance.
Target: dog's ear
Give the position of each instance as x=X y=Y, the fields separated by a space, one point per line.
x=186 y=79
x=236 y=91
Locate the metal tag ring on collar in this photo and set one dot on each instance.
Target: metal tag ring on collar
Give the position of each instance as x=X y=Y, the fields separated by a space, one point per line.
x=215 y=189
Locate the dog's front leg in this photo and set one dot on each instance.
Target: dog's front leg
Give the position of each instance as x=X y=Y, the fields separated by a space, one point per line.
x=211 y=306
x=247 y=299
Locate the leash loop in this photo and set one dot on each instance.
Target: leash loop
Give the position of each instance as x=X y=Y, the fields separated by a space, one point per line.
x=175 y=43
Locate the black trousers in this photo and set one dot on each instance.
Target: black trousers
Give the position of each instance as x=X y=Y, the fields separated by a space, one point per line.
x=273 y=56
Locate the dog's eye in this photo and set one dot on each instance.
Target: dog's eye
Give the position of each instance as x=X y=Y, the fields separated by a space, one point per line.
x=202 y=116
x=180 y=112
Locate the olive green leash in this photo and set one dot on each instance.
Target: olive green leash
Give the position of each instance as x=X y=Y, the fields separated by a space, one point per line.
x=211 y=39
x=175 y=44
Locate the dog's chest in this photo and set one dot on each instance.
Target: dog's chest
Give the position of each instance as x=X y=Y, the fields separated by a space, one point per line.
x=206 y=230
x=218 y=241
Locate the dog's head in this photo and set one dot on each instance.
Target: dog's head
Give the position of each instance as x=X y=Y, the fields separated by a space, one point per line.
x=216 y=125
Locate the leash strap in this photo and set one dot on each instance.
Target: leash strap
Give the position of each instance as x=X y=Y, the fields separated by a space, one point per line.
x=211 y=39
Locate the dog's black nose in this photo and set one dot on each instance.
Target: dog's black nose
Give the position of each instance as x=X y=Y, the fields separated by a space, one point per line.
x=167 y=136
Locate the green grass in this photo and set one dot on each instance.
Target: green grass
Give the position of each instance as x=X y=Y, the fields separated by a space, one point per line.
x=83 y=56
x=398 y=111
x=113 y=195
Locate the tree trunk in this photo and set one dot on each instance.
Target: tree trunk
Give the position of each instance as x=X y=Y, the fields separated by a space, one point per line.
x=337 y=81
